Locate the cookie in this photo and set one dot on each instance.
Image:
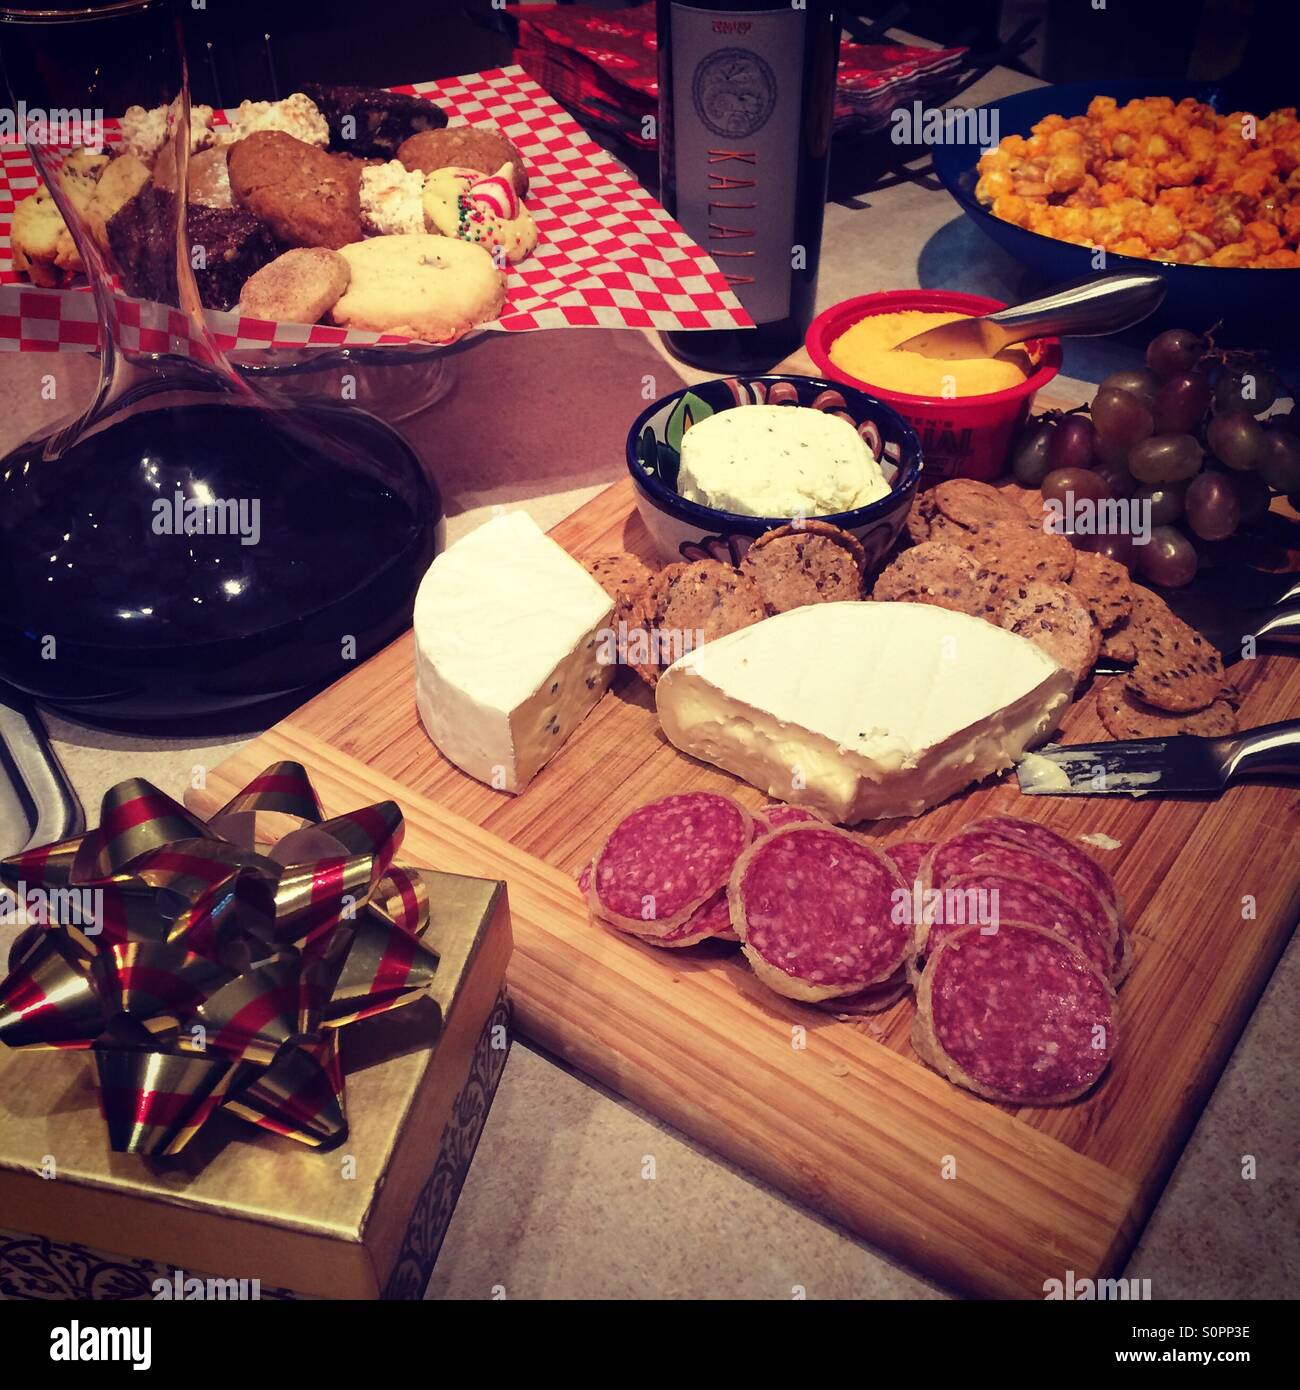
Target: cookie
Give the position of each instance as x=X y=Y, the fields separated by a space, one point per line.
x=969 y=503
x=478 y=147
x=1176 y=668
x=1126 y=716
x=306 y=196
x=1052 y=616
x=371 y=121
x=419 y=285
x=463 y=203
x=690 y=604
x=937 y=574
x=1104 y=585
x=300 y=286
x=42 y=246
x=793 y=566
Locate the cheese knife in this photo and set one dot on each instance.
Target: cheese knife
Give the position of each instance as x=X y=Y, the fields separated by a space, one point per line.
x=1185 y=763
x=1082 y=309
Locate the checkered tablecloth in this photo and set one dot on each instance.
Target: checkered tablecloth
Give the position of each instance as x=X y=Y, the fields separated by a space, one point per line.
x=608 y=256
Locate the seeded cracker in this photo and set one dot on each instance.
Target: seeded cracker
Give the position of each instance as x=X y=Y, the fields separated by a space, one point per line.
x=919 y=517
x=1126 y=716
x=1015 y=552
x=689 y=604
x=969 y=503
x=814 y=563
x=1055 y=618
x=1177 y=669
x=937 y=574
x=1104 y=585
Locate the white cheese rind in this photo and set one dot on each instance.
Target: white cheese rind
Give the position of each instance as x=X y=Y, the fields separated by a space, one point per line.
x=507 y=644
x=778 y=461
x=863 y=710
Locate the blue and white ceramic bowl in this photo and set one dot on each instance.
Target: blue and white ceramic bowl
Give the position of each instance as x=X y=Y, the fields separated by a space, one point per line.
x=684 y=530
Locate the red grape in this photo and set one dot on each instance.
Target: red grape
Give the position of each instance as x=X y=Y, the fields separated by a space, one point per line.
x=1114 y=545
x=1165 y=458
x=1174 y=351
x=1181 y=403
x=1253 y=496
x=1251 y=388
x=1071 y=445
x=1029 y=460
x=1063 y=483
x=1234 y=437
x=1118 y=480
x=1213 y=511
x=1168 y=558
x=1119 y=418
x=1279 y=460
x=1166 y=501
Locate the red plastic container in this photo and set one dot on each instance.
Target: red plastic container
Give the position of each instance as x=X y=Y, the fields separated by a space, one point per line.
x=967 y=436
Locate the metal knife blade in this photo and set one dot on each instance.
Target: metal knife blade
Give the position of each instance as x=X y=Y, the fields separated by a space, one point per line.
x=1184 y=763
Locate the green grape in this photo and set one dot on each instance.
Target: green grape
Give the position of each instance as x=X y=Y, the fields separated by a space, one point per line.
x=1141 y=382
x=1165 y=458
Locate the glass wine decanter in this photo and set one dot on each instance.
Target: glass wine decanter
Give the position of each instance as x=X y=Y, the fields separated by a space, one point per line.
x=187 y=547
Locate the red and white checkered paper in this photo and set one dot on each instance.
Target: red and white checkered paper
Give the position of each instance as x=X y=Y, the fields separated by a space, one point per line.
x=608 y=256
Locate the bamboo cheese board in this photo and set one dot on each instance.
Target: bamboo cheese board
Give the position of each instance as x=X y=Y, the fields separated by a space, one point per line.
x=987 y=1199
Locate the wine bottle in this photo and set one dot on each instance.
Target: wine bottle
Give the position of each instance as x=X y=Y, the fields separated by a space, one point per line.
x=746 y=98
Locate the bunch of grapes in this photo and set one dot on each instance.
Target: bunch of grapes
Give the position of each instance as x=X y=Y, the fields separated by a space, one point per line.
x=1183 y=433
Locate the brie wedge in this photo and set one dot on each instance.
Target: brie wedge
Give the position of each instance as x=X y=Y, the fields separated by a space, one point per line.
x=507 y=650
x=863 y=710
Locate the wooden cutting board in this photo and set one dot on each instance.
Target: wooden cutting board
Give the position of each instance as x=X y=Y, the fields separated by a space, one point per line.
x=985 y=1198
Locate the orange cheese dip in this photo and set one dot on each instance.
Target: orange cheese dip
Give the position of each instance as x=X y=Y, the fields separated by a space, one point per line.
x=869 y=352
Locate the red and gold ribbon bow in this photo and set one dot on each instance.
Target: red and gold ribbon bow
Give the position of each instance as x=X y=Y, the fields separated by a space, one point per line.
x=212 y=965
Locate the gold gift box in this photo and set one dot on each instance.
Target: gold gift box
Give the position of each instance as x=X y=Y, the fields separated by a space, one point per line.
x=363 y=1220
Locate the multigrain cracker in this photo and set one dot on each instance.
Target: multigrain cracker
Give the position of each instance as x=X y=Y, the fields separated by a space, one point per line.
x=1016 y=551
x=689 y=604
x=969 y=503
x=1176 y=669
x=1053 y=617
x=620 y=573
x=919 y=516
x=937 y=574
x=811 y=563
x=1104 y=585
x=1124 y=715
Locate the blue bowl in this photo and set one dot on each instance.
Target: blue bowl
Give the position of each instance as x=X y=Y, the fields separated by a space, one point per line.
x=1197 y=295
x=684 y=530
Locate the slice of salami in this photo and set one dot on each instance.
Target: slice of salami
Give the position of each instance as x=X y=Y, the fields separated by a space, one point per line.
x=976 y=897
x=666 y=859
x=814 y=907
x=711 y=920
x=872 y=1000
x=908 y=856
x=774 y=817
x=1056 y=847
x=979 y=850
x=1019 y=1017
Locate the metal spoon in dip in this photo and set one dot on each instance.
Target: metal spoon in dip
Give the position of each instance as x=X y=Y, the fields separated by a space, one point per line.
x=1083 y=309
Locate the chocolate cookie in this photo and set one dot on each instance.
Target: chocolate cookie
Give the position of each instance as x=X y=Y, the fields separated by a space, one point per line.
x=479 y=147
x=1126 y=716
x=937 y=574
x=816 y=562
x=301 y=286
x=307 y=196
x=969 y=503
x=1052 y=616
x=1104 y=585
x=1177 y=669
x=370 y=120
